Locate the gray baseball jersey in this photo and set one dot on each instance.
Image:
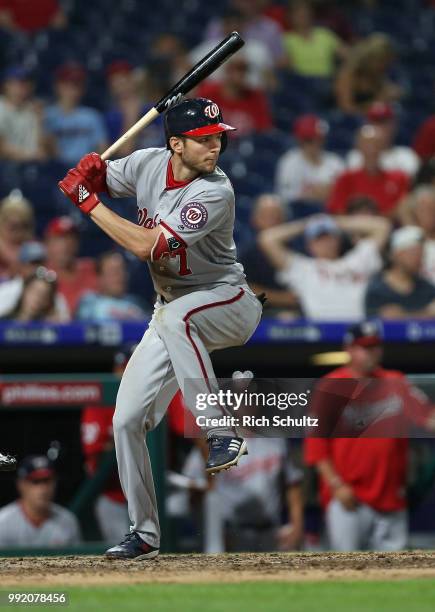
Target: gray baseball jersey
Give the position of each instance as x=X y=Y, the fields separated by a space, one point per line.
x=200 y=214
x=60 y=529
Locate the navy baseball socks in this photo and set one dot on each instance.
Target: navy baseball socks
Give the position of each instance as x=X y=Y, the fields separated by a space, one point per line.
x=224 y=452
x=132 y=547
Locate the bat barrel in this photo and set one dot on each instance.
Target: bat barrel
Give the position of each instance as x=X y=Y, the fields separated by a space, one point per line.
x=201 y=71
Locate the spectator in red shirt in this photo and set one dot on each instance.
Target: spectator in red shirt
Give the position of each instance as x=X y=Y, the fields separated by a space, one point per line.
x=363 y=479
x=246 y=107
x=75 y=275
x=424 y=140
x=386 y=187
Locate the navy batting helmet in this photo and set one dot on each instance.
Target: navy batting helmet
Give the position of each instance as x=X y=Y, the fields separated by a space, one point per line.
x=197 y=117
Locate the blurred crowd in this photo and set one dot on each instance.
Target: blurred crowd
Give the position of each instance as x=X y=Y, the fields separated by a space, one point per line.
x=338 y=199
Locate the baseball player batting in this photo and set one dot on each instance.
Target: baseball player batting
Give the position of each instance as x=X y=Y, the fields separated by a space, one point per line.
x=185 y=234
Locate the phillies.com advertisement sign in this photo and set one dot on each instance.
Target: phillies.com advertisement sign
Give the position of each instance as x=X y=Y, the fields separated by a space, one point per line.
x=50 y=394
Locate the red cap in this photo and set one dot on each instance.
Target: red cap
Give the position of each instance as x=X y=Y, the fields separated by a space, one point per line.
x=379 y=112
x=368 y=341
x=309 y=127
x=61 y=226
x=366 y=333
x=118 y=67
x=35 y=467
x=40 y=474
x=71 y=72
x=206 y=130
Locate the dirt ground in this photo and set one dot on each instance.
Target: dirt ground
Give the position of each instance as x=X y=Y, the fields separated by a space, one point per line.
x=194 y=568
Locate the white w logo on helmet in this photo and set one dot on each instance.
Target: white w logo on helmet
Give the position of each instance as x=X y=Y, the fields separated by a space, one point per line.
x=212 y=111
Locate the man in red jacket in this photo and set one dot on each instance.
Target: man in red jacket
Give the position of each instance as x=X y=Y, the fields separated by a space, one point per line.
x=363 y=479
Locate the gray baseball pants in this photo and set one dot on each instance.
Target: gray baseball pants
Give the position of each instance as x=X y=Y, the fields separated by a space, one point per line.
x=174 y=348
x=365 y=528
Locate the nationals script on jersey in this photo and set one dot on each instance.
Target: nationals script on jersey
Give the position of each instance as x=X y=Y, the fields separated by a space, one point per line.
x=200 y=214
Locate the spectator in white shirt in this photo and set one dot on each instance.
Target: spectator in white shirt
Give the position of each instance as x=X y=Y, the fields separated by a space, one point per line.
x=393 y=157
x=308 y=171
x=330 y=286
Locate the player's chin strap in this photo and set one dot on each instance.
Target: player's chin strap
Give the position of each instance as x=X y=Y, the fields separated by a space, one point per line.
x=166 y=245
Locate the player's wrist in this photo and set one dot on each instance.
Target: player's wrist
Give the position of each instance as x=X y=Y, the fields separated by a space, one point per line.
x=89 y=204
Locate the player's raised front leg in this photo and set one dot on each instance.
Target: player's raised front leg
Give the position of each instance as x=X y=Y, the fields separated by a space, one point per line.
x=191 y=327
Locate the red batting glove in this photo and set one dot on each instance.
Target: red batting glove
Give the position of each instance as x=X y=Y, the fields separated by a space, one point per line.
x=79 y=191
x=94 y=169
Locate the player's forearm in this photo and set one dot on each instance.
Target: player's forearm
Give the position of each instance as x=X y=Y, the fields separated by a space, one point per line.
x=138 y=240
